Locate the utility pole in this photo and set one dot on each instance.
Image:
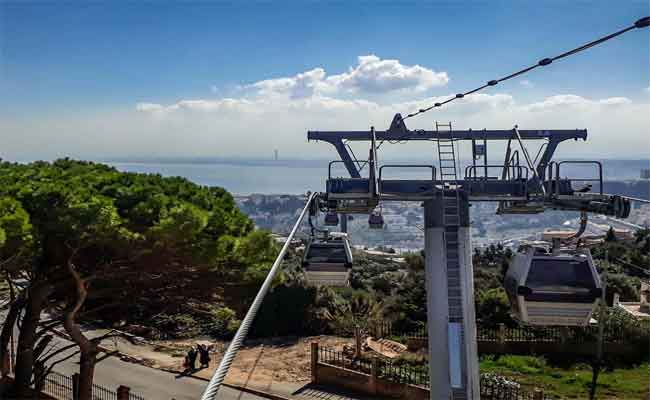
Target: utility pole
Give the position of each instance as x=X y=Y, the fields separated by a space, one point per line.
x=598 y=362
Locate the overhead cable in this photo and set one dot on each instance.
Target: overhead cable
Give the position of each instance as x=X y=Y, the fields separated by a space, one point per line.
x=641 y=23
x=217 y=379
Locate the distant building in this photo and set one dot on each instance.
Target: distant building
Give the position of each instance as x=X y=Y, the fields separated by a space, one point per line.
x=619 y=233
x=640 y=309
x=623 y=234
x=645 y=173
x=549 y=235
x=275 y=155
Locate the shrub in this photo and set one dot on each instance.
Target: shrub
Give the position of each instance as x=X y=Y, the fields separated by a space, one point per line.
x=176 y=326
x=222 y=323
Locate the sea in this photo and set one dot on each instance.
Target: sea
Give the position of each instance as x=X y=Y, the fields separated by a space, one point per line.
x=249 y=176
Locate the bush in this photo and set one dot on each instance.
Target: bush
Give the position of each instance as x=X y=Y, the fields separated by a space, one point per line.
x=176 y=326
x=223 y=323
x=493 y=308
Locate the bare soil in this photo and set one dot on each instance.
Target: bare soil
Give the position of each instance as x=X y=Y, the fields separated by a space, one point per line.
x=262 y=362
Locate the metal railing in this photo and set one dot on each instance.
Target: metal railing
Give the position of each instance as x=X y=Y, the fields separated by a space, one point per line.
x=329 y=169
x=554 y=174
x=492 y=387
x=339 y=359
x=62 y=387
x=405 y=373
x=557 y=334
x=385 y=369
x=514 y=172
x=433 y=169
x=58 y=385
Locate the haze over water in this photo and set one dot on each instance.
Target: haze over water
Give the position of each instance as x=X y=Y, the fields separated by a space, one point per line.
x=248 y=176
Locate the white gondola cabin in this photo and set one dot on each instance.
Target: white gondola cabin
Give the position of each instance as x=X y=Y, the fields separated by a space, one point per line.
x=328 y=262
x=553 y=288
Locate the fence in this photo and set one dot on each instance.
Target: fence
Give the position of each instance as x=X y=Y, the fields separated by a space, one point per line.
x=338 y=359
x=492 y=387
x=59 y=386
x=556 y=334
x=404 y=373
x=62 y=387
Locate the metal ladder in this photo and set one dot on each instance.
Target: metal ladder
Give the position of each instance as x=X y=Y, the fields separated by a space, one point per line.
x=451 y=220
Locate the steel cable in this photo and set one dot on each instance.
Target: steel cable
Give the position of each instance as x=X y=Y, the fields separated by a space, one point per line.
x=217 y=379
x=641 y=23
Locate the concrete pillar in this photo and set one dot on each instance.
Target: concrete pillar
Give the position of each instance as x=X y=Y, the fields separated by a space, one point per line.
x=502 y=334
x=470 y=349
x=437 y=305
x=123 y=393
x=453 y=352
x=314 y=362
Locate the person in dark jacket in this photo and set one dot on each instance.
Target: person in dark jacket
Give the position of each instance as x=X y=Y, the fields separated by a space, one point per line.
x=191 y=358
x=204 y=355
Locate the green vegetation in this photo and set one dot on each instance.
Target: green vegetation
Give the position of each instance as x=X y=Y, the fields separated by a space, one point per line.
x=166 y=258
x=573 y=381
x=88 y=240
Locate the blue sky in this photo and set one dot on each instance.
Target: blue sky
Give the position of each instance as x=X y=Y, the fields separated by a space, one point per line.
x=76 y=67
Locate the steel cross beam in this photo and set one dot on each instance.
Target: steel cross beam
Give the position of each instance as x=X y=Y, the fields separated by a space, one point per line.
x=399 y=132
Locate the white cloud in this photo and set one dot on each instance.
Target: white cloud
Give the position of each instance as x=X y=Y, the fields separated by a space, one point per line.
x=613 y=101
x=251 y=126
x=149 y=107
x=574 y=102
x=277 y=113
x=374 y=75
x=526 y=83
x=296 y=87
x=370 y=75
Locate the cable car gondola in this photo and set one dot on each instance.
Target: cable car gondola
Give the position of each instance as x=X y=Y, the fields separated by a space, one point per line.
x=556 y=287
x=328 y=261
x=331 y=218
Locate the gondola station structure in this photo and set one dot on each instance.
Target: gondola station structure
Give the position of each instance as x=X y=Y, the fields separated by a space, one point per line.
x=556 y=285
x=553 y=287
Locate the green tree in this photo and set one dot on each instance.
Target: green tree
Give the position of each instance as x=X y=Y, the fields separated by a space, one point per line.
x=88 y=237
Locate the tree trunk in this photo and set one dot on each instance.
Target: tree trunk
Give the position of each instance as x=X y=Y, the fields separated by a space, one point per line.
x=7 y=331
x=87 y=348
x=87 y=363
x=36 y=297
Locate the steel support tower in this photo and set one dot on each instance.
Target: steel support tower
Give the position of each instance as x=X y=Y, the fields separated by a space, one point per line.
x=451 y=324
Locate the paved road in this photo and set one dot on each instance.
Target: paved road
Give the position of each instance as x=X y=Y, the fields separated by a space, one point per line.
x=151 y=383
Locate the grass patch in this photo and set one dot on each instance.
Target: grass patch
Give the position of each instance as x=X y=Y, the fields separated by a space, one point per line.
x=571 y=382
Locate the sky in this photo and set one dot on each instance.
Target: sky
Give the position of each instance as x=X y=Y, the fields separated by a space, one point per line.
x=99 y=80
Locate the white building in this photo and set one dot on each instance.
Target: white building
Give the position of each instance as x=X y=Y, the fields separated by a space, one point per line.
x=640 y=309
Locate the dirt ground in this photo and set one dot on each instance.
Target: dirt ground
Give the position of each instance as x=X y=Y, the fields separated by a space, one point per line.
x=285 y=359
